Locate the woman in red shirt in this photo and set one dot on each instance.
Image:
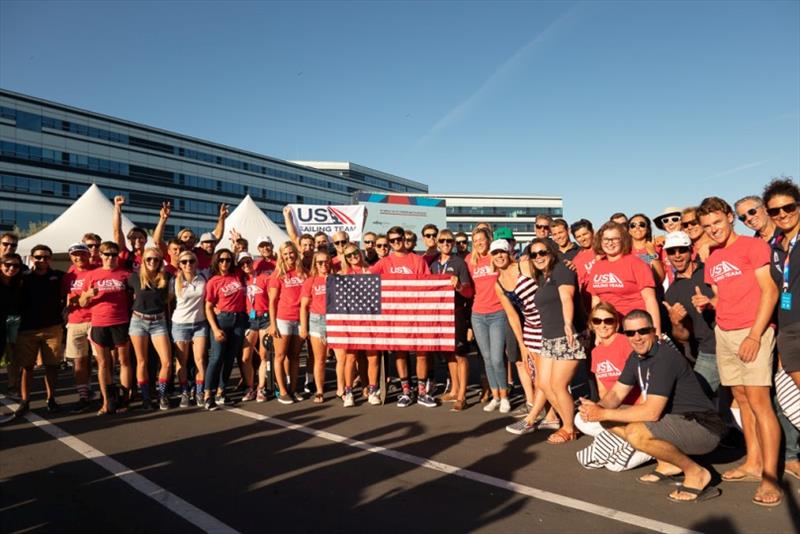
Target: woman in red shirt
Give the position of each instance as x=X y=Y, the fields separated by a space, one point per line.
x=226 y=298
x=285 y=287
x=642 y=245
x=619 y=277
x=258 y=315
x=312 y=316
x=108 y=295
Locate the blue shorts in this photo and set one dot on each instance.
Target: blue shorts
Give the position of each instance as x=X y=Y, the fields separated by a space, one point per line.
x=316 y=326
x=145 y=327
x=260 y=322
x=288 y=328
x=189 y=331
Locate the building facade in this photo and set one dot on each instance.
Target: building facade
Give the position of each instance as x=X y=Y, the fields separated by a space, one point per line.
x=50 y=153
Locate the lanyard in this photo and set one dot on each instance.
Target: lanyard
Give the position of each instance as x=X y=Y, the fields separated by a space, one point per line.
x=643 y=385
x=786 y=263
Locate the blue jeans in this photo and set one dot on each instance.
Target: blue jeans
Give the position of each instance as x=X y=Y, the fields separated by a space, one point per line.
x=706 y=367
x=791 y=436
x=221 y=354
x=490 y=333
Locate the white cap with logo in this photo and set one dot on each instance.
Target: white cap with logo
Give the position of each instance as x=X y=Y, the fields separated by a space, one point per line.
x=677 y=239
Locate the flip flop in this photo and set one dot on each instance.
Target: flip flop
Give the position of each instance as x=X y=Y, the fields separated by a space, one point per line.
x=704 y=494
x=746 y=477
x=791 y=473
x=760 y=502
x=662 y=479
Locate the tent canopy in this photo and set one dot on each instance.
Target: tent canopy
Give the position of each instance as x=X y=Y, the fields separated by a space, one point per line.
x=251 y=223
x=92 y=212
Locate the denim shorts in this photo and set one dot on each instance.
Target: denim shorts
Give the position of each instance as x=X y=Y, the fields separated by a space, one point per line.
x=316 y=326
x=260 y=322
x=189 y=331
x=145 y=327
x=288 y=328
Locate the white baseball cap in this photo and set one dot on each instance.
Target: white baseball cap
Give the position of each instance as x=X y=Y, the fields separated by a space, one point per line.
x=264 y=239
x=677 y=239
x=499 y=244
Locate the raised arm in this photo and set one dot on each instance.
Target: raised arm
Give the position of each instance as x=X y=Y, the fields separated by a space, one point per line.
x=116 y=222
x=290 y=228
x=219 y=229
x=158 y=233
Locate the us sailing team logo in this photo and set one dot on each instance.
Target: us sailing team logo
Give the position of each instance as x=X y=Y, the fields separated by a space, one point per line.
x=339 y=217
x=607 y=280
x=723 y=270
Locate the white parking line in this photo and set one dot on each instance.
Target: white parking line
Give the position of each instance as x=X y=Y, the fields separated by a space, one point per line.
x=169 y=500
x=542 y=495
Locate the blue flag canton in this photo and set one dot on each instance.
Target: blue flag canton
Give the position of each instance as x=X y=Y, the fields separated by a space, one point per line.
x=356 y=294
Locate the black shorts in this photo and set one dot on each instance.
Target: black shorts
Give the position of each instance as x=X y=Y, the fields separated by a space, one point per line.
x=462 y=325
x=512 y=347
x=789 y=347
x=109 y=337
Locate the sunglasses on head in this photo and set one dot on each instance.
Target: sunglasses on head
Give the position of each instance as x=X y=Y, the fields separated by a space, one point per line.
x=539 y=253
x=640 y=224
x=786 y=208
x=446 y=240
x=341 y=242
x=749 y=213
x=689 y=224
x=110 y=254
x=641 y=331
x=677 y=250
x=608 y=321
x=429 y=235
x=188 y=262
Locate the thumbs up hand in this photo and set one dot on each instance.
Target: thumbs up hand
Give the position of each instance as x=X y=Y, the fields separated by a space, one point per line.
x=699 y=300
x=677 y=312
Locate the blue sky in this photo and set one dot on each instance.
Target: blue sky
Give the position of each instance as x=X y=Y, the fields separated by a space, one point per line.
x=626 y=106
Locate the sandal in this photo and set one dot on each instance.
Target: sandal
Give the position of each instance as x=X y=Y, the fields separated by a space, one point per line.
x=700 y=494
x=318 y=398
x=562 y=436
x=661 y=478
x=759 y=498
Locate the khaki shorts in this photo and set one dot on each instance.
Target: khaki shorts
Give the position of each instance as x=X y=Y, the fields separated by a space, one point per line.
x=732 y=370
x=78 y=345
x=30 y=342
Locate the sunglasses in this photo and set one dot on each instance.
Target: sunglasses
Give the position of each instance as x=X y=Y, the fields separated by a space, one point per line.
x=445 y=240
x=429 y=236
x=110 y=254
x=152 y=259
x=496 y=252
x=672 y=219
x=246 y=262
x=188 y=262
x=689 y=224
x=395 y=240
x=410 y=240
x=677 y=250
x=381 y=245
x=321 y=262
x=41 y=258
x=608 y=321
x=637 y=225
x=539 y=253
x=369 y=242
x=224 y=260
x=351 y=255
x=8 y=243
x=12 y=265
x=611 y=239
x=641 y=331
x=787 y=209
x=461 y=241
x=751 y=212
x=543 y=226
x=341 y=242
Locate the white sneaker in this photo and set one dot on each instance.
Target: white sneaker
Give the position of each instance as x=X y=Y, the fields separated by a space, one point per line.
x=374 y=398
x=505 y=406
x=348 y=400
x=492 y=405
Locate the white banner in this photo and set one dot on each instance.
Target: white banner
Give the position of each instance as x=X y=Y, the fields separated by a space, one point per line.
x=310 y=219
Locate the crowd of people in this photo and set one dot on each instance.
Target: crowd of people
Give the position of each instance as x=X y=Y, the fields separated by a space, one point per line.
x=682 y=334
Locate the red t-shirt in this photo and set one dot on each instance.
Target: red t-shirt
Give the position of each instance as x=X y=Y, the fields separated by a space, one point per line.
x=621 y=282
x=484 y=280
x=257 y=295
x=289 y=287
x=608 y=362
x=314 y=289
x=733 y=270
x=73 y=284
x=408 y=264
x=112 y=304
x=171 y=269
x=264 y=266
x=203 y=258
x=130 y=261
x=583 y=262
x=227 y=293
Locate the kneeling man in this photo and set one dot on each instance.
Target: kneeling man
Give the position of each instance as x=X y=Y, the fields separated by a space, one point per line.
x=676 y=418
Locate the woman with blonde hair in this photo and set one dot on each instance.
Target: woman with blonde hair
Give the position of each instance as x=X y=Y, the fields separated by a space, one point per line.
x=312 y=317
x=149 y=323
x=189 y=324
x=285 y=287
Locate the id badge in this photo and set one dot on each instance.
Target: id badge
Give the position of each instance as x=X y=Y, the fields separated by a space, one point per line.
x=786 y=301
x=252 y=314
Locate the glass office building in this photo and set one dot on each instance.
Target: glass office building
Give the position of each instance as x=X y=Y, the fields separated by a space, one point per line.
x=50 y=153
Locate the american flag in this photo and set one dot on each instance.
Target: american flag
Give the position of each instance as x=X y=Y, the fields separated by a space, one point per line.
x=390 y=312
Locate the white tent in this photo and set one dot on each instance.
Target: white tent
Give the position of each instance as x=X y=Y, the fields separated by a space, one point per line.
x=92 y=212
x=251 y=223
